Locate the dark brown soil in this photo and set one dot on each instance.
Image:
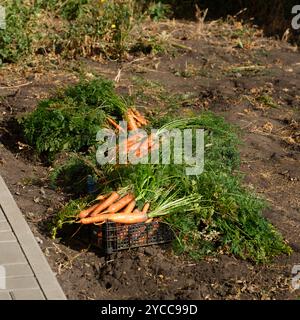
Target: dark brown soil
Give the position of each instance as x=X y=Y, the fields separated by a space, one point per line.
x=213 y=73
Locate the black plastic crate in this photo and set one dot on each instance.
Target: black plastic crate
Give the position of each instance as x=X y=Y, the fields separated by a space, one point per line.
x=111 y=237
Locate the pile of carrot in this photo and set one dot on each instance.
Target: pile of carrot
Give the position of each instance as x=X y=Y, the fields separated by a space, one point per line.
x=134 y=120
x=115 y=208
x=135 y=143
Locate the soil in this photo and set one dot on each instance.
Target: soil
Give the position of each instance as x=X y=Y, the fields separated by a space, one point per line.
x=212 y=72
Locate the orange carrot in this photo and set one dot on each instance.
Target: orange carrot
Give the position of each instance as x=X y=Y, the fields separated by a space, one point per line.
x=140 y=118
x=115 y=125
x=106 y=203
x=117 y=218
x=132 y=126
x=145 y=146
x=146 y=208
x=86 y=212
x=130 y=207
x=137 y=120
x=120 y=204
x=103 y=196
x=134 y=142
x=149 y=220
x=135 y=137
x=134 y=147
x=128 y=218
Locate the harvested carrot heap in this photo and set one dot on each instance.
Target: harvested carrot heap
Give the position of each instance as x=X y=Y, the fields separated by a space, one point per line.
x=109 y=209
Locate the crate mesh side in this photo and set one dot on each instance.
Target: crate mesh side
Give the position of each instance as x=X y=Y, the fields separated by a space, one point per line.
x=112 y=237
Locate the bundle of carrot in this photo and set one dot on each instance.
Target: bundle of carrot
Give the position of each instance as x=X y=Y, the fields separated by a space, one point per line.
x=136 y=143
x=134 y=119
x=115 y=208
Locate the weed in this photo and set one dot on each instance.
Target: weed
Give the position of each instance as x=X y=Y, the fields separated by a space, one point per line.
x=71 y=176
x=68 y=214
x=73 y=27
x=247 y=71
x=158 y=11
x=267 y=100
x=15 y=40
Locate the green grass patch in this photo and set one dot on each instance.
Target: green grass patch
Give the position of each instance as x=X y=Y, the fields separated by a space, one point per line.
x=72 y=28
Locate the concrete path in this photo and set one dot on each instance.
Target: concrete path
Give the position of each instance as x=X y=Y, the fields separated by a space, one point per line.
x=24 y=271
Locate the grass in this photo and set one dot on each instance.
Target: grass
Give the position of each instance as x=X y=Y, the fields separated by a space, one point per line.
x=267 y=101
x=72 y=28
x=247 y=71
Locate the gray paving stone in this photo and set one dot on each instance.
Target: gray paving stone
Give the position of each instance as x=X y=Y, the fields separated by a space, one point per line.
x=4 y=295
x=2 y=217
x=28 y=294
x=17 y=270
x=7 y=236
x=26 y=245
x=11 y=253
x=27 y=282
x=4 y=226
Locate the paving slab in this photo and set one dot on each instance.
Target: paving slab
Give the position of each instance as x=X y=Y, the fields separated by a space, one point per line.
x=7 y=236
x=24 y=271
x=17 y=269
x=5 y=295
x=23 y=282
x=4 y=226
x=2 y=217
x=27 y=294
x=11 y=253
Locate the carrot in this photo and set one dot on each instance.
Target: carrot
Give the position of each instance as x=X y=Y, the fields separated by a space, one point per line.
x=141 y=121
x=145 y=146
x=117 y=218
x=137 y=121
x=123 y=233
x=97 y=219
x=149 y=220
x=103 y=196
x=128 y=218
x=120 y=204
x=106 y=203
x=86 y=212
x=135 y=137
x=131 y=144
x=140 y=234
x=140 y=118
x=134 y=142
x=134 y=147
x=115 y=125
x=132 y=126
x=146 y=208
x=130 y=207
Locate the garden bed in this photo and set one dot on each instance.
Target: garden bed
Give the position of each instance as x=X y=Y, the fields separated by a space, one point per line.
x=269 y=160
